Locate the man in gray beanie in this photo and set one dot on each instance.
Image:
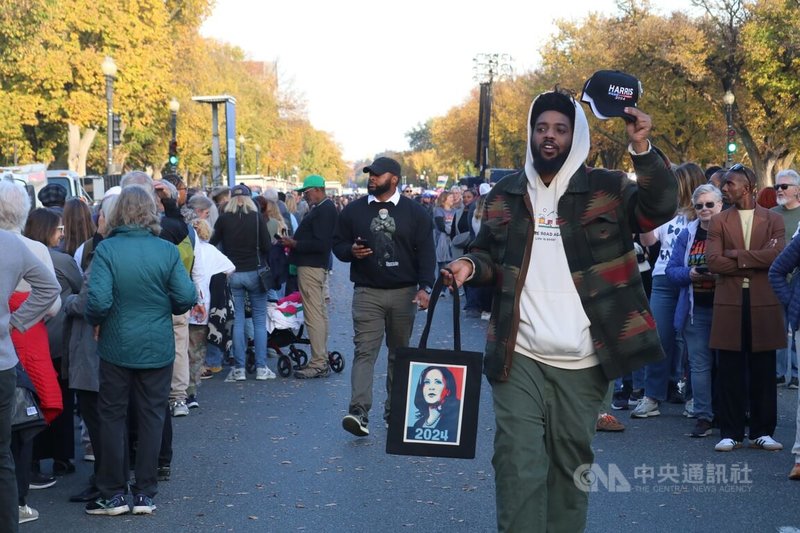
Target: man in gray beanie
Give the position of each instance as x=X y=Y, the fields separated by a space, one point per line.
x=569 y=312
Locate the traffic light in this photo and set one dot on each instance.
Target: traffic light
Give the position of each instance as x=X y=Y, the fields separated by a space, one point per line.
x=116 y=132
x=731 y=140
x=173 y=153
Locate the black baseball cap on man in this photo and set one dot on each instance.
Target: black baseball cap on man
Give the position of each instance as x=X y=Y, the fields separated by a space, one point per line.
x=53 y=195
x=609 y=92
x=383 y=165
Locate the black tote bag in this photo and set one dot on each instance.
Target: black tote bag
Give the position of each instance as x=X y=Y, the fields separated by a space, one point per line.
x=435 y=395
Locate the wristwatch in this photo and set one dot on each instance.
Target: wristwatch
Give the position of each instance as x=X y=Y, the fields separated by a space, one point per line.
x=425 y=288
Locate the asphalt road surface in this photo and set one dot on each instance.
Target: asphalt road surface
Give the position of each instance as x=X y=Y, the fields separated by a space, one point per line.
x=272 y=456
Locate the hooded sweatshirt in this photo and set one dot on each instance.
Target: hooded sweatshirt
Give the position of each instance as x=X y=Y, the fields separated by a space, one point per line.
x=553 y=327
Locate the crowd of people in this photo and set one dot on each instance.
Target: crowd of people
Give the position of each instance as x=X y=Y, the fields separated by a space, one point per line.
x=602 y=293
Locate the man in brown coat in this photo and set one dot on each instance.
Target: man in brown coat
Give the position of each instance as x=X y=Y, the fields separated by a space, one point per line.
x=742 y=244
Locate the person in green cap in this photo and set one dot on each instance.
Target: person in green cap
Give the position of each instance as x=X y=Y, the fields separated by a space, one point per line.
x=310 y=252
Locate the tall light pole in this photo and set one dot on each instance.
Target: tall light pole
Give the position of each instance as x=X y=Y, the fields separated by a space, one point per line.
x=258 y=157
x=486 y=68
x=174 y=107
x=730 y=147
x=241 y=153
x=109 y=69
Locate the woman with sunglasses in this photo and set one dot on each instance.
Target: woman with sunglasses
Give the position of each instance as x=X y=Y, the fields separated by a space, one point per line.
x=687 y=269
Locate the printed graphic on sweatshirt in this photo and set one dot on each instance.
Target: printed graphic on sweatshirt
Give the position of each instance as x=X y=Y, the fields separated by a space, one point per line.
x=669 y=234
x=382 y=228
x=546 y=226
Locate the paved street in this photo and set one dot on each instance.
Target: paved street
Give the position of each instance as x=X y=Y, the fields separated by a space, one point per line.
x=271 y=456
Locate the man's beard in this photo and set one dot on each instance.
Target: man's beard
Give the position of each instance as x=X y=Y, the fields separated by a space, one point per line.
x=379 y=190
x=782 y=201
x=548 y=166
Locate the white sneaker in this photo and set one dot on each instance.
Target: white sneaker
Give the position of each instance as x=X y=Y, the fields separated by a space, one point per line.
x=766 y=443
x=264 y=373
x=236 y=374
x=486 y=315
x=645 y=408
x=727 y=445
x=27 y=514
x=688 y=409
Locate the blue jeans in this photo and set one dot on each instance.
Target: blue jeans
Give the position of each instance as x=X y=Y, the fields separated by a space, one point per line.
x=701 y=360
x=247 y=283
x=663 y=300
x=781 y=356
x=9 y=514
x=213 y=356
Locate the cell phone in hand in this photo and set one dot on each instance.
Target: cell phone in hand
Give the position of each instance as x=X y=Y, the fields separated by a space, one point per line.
x=360 y=241
x=701 y=270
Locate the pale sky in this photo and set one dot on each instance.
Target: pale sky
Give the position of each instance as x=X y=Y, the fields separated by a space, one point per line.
x=370 y=71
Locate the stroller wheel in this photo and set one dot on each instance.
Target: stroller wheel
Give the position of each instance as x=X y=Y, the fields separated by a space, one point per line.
x=336 y=361
x=250 y=361
x=300 y=357
x=284 y=366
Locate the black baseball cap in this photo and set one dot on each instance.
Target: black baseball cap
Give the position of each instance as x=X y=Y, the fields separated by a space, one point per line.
x=383 y=165
x=608 y=92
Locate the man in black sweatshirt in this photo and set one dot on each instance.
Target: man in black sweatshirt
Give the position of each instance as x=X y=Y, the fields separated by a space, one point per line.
x=388 y=239
x=311 y=252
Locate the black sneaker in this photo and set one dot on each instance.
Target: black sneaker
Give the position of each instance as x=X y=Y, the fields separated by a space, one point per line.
x=191 y=402
x=111 y=507
x=41 y=481
x=164 y=473
x=636 y=395
x=61 y=468
x=701 y=429
x=780 y=380
x=793 y=384
x=675 y=394
x=143 y=504
x=620 y=401
x=356 y=424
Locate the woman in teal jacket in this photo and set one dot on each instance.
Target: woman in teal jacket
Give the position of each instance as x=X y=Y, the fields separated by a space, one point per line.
x=137 y=283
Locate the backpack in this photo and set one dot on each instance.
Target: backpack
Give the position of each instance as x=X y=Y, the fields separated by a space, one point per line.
x=186 y=250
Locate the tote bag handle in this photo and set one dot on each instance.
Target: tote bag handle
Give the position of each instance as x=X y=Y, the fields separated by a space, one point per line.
x=435 y=292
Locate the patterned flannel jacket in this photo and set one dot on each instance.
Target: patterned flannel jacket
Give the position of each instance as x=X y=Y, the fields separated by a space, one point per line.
x=598 y=215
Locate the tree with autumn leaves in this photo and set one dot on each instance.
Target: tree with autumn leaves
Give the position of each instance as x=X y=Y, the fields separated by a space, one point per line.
x=50 y=78
x=685 y=64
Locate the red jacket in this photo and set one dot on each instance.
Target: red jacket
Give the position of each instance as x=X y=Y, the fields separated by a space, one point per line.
x=33 y=350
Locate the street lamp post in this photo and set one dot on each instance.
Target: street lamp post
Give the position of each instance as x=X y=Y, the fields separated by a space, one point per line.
x=109 y=69
x=241 y=153
x=486 y=68
x=258 y=157
x=728 y=98
x=174 y=107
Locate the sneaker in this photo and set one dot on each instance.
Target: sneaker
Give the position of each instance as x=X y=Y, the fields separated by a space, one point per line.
x=41 y=481
x=143 y=504
x=780 y=380
x=793 y=384
x=675 y=393
x=607 y=422
x=112 y=507
x=688 y=409
x=620 y=401
x=645 y=408
x=701 y=429
x=236 y=374
x=312 y=372
x=207 y=373
x=766 y=443
x=179 y=408
x=795 y=473
x=163 y=473
x=191 y=402
x=88 y=452
x=486 y=315
x=264 y=373
x=727 y=445
x=27 y=514
x=356 y=424
x=635 y=397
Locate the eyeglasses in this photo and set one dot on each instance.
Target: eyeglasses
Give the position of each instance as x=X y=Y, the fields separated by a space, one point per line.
x=60 y=228
x=707 y=205
x=783 y=186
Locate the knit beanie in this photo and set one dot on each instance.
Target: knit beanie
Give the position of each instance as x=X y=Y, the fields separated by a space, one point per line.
x=553 y=101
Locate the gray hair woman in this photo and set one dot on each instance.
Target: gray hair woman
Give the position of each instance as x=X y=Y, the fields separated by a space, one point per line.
x=687 y=270
x=136 y=284
x=242 y=231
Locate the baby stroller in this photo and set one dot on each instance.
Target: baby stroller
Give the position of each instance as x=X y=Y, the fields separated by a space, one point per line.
x=294 y=358
x=286 y=319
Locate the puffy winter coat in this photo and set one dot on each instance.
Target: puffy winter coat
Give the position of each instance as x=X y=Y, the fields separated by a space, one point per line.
x=137 y=283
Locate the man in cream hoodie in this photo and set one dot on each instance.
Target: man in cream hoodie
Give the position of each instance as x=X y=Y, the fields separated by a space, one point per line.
x=570 y=313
